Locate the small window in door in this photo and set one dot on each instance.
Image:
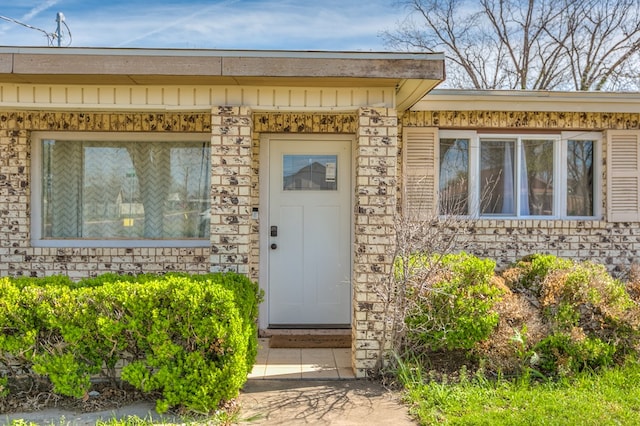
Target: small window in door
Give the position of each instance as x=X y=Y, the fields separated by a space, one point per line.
x=310 y=172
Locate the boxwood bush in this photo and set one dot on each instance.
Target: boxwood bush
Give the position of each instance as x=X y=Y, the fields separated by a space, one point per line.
x=192 y=338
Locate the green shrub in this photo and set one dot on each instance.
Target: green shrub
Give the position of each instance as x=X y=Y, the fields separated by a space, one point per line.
x=19 y=329
x=454 y=309
x=588 y=297
x=192 y=338
x=67 y=348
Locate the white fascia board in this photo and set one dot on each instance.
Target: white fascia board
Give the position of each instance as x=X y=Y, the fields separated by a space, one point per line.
x=516 y=100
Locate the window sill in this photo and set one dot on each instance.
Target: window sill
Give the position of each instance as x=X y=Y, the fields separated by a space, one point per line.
x=73 y=243
x=540 y=223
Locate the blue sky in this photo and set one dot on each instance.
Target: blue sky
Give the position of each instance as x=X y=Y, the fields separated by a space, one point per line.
x=205 y=24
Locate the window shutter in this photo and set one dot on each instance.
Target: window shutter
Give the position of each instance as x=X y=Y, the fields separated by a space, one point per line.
x=623 y=176
x=420 y=165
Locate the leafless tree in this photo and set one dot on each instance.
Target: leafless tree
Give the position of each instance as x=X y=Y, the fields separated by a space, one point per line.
x=527 y=44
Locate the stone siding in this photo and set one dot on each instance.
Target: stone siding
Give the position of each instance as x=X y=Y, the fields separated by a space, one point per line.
x=547 y=120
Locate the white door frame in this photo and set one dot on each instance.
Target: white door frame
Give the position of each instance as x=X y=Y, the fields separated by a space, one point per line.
x=264 y=204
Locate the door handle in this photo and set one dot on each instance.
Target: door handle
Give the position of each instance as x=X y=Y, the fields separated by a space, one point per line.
x=274 y=246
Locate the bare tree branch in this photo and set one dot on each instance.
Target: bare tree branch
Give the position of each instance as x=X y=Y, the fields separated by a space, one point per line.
x=527 y=44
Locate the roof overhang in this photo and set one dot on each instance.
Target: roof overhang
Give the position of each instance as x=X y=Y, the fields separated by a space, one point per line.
x=525 y=100
x=411 y=74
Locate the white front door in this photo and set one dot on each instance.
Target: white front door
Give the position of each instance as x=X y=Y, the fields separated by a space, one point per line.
x=309 y=232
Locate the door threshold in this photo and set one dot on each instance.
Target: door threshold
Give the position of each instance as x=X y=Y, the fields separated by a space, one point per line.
x=289 y=331
x=309 y=327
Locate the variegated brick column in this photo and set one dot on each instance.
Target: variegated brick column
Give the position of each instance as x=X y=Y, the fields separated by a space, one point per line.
x=231 y=155
x=376 y=175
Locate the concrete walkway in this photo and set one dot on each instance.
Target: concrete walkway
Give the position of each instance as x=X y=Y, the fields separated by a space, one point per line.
x=313 y=402
x=315 y=387
x=286 y=387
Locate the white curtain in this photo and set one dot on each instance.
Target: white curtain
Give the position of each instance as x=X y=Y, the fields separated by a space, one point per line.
x=524 y=183
x=508 y=205
x=507 y=181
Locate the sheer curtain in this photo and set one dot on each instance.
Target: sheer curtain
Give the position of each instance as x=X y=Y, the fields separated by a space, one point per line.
x=508 y=205
x=507 y=181
x=524 y=183
x=126 y=189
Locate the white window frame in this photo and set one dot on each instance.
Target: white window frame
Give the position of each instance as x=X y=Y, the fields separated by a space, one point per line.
x=37 y=239
x=559 y=170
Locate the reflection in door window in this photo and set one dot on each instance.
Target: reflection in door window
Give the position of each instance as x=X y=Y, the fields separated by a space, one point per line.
x=310 y=172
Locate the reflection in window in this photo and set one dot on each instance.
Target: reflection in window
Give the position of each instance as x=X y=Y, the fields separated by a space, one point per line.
x=310 y=172
x=520 y=176
x=454 y=177
x=497 y=183
x=125 y=190
x=536 y=179
x=510 y=181
x=580 y=178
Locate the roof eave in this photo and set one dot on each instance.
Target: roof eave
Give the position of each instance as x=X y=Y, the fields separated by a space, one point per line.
x=527 y=100
x=138 y=67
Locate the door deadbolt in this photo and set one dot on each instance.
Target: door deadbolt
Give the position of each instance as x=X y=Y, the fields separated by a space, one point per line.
x=274 y=231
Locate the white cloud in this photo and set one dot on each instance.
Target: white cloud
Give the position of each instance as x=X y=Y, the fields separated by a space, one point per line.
x=37 y=9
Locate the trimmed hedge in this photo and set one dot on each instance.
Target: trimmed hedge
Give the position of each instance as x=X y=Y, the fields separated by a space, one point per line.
x=193 y=338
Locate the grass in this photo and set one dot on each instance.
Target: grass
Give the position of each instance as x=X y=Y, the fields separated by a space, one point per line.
x=609 y=397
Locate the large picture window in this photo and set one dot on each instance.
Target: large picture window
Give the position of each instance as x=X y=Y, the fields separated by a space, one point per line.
x=107 y=188
x=549 y=176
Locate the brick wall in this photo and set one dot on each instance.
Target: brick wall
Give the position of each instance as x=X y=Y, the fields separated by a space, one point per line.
x=616 y=245
x=375 y=206
x=231 y=223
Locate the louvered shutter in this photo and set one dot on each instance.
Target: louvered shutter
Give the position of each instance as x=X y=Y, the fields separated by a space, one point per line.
x=623 y=176
x=420 y=165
